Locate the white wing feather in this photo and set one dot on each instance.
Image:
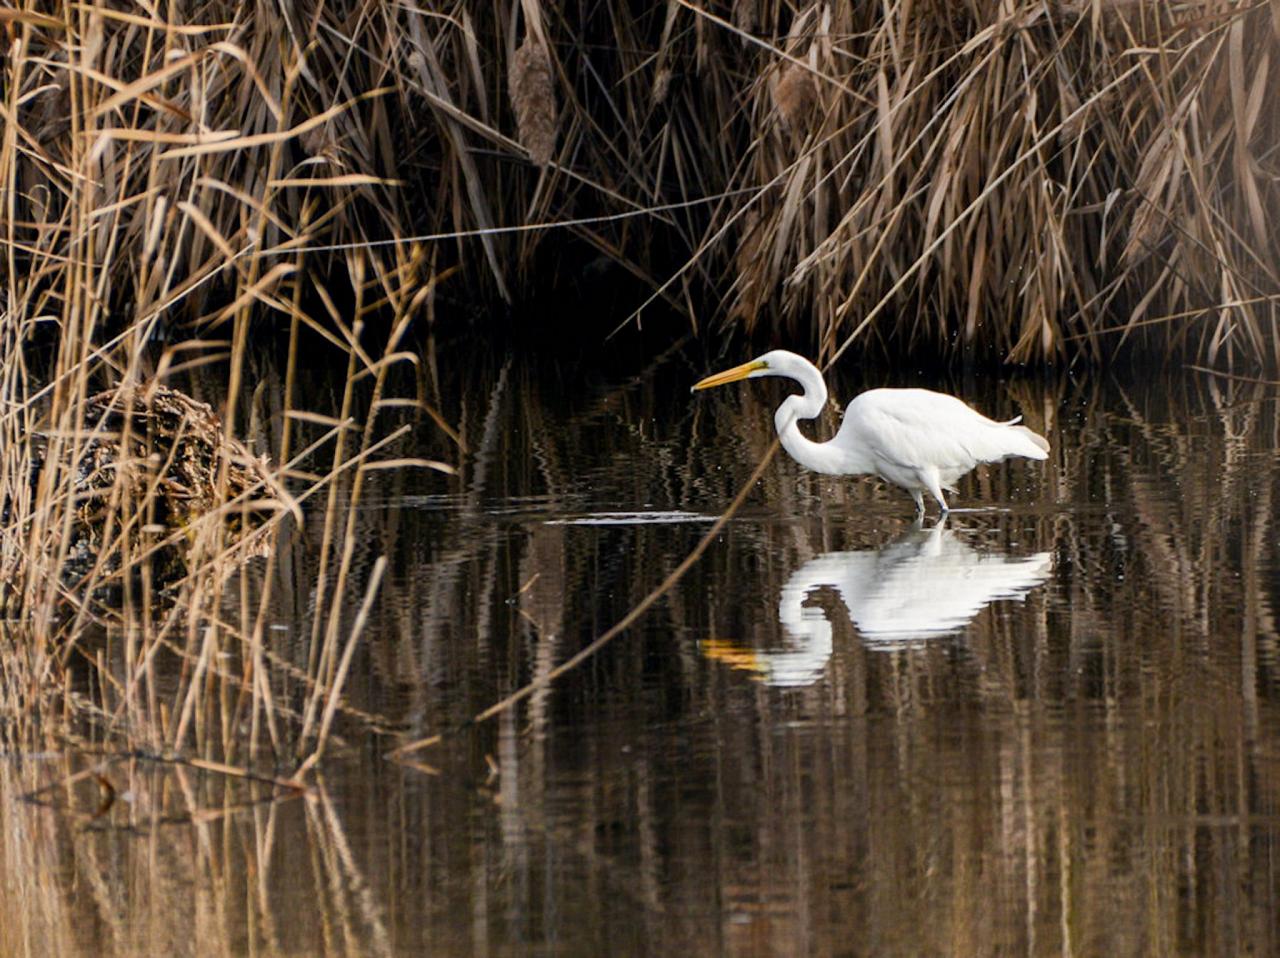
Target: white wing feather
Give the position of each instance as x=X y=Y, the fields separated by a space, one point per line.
x=918 y=429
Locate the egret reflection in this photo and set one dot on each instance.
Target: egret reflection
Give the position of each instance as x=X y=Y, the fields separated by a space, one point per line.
x=928 y=583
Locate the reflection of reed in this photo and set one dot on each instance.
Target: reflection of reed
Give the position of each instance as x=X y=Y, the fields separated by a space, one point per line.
x=185 y=865
x=1093 y=770
x=1050 y=814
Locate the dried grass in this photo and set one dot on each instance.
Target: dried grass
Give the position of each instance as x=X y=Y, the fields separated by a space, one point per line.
x=1022 y=182
x=162 y=182
x=1019 y=181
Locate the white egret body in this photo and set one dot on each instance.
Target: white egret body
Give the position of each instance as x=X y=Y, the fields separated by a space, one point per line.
x=921 y=440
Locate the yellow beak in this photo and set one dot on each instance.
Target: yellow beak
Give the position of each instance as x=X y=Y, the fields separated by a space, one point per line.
x=731 y=375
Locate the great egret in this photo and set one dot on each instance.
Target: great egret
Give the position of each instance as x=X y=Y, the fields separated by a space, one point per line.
x=918 y=439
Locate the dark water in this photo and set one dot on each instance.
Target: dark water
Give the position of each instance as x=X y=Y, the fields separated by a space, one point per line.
x=1049 y=726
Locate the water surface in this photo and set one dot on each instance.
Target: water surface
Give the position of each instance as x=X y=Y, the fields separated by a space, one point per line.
x=1049 y=725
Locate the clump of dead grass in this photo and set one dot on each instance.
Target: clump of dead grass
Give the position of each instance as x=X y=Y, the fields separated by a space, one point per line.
x=156 y=472
x=794 y=96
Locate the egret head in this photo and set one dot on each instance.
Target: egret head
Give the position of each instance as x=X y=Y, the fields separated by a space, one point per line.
x=778 y=362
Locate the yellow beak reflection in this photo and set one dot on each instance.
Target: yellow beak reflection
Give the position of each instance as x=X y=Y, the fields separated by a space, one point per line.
x=731 y=375
x=732 y=655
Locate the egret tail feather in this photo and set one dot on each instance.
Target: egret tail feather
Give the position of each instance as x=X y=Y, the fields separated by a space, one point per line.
x=1038 y=440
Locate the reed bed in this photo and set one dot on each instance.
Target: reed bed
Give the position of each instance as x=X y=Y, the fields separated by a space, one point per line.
x=1022 y=181
x=162 y=179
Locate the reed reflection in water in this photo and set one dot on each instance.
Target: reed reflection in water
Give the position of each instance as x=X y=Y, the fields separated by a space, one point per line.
x=1083 y=756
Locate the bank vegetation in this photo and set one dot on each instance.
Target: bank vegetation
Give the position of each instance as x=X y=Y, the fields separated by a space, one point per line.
x=187 y=186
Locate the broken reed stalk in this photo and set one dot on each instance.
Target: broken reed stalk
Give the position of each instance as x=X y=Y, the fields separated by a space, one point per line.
x=334 y=692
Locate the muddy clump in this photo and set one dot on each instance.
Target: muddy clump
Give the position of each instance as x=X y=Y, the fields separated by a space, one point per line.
x=156 y=482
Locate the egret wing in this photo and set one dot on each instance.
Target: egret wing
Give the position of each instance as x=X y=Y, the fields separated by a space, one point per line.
x=921 y=429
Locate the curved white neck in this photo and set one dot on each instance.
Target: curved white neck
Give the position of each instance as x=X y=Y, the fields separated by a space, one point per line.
x=818 y=456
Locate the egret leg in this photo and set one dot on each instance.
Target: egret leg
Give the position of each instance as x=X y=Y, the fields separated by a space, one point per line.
x=934 y=485
x=919 y=498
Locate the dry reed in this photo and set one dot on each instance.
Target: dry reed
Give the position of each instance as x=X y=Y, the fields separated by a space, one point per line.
x=162 y=178
x=1019 y=181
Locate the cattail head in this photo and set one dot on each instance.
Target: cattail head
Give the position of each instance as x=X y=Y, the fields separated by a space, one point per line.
x=661 y=84
x=751 y=285
x=794 y=96
x=533 y=99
